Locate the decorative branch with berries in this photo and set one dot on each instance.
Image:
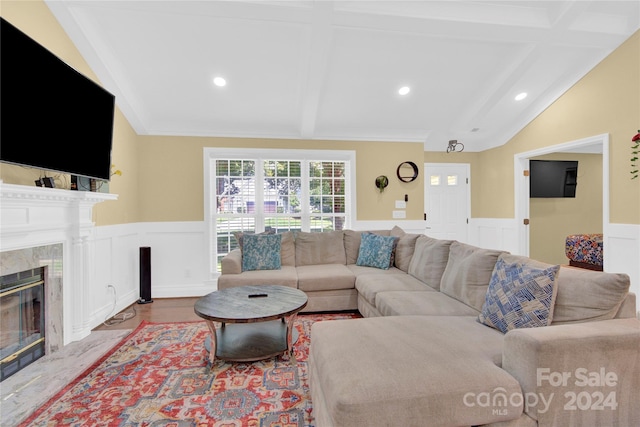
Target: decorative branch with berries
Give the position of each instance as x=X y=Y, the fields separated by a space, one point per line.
x=635 y=149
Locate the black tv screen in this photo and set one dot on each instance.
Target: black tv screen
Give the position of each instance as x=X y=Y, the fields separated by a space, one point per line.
x=553 y=178
x=51 y=116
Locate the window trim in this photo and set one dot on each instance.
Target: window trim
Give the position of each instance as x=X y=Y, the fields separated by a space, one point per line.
x=210 y=154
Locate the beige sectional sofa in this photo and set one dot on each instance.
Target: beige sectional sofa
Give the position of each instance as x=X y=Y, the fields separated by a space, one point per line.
x=420 y=355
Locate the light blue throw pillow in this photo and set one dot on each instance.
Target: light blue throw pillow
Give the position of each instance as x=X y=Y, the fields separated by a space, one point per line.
x=376 y=250
x=520 y=295
x=261 y=252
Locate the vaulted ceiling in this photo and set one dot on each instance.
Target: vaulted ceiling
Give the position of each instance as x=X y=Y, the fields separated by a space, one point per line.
x=332 y=69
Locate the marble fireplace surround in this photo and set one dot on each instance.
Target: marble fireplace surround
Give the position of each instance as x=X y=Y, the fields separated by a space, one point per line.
x=52 y=227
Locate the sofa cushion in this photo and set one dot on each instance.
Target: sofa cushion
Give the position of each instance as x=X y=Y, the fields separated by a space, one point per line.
x=404 y=303
x=429 y=260
x=286 y=276
x=368 y=285
x=323 y=277
x=521 y=294
x=467 y=274
x=404 y=248
x=261 y=252
x=390 y=369
x=376 y=251
x=352 y=240
x=319 y=248
x=359 y=270
x=586 y=295
x=287 y=249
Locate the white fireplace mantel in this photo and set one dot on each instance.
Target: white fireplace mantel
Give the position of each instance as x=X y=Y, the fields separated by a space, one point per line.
x=38 y=216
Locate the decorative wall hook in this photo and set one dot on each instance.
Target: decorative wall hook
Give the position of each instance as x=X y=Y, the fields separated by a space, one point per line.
x=381 y=182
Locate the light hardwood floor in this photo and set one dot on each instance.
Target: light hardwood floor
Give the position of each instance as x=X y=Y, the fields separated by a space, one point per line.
x=160 y=310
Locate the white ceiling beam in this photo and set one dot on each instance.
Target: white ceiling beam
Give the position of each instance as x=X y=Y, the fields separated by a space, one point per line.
x=316 y=67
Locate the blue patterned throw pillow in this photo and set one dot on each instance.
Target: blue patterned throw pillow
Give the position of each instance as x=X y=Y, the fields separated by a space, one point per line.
x=376 y=251
x=520 y=294
x=261 y=252
x=239 y=235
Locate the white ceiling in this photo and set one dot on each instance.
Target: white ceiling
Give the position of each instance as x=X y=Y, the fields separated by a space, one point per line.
x=332 y=69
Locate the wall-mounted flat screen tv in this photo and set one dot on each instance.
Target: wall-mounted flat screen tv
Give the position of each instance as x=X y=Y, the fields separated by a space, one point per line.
x=553 y=178
x=51 y=116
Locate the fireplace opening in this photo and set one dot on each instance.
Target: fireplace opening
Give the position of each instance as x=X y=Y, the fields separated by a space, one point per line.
x=22 y=336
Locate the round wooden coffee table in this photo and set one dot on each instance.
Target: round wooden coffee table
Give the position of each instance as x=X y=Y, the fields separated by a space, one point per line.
x=256 y=321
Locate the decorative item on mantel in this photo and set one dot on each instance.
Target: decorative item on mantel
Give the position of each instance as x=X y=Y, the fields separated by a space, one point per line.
x=635 y=149
x=103 y=186
x=381 y=182
x=92 y=184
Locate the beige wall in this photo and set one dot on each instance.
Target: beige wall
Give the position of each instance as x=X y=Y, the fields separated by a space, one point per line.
x=171 y=174
x=553 y=219
x=35 y=19
x=162 y=176
x=605 y=101
x=125 y=158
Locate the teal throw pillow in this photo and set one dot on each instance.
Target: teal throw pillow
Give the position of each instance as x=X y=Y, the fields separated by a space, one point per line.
x=261 y=252
x=239 y=235
x=520 y=295
x=376 y=251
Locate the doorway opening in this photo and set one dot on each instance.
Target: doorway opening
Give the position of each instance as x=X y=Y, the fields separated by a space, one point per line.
x=594 y=144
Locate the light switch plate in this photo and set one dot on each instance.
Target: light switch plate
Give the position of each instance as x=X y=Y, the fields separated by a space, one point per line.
x=401 y=204
x=399 y=214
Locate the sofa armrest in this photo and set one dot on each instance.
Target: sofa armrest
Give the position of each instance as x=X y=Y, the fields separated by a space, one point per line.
x=232 y=262
x=578 y=374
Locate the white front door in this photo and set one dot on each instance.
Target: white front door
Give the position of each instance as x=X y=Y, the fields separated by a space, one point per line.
x=446 y=199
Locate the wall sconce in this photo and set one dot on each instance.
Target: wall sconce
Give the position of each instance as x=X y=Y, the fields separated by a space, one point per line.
x=454 y=146
x=381 y=182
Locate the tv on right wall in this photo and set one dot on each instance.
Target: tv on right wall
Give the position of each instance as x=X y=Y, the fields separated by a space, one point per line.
x=553 y=178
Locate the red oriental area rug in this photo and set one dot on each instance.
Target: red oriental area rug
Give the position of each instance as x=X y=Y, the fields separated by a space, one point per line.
x=159 y=376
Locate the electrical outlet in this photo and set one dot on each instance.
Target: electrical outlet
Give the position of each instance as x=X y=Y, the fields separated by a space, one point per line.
x=399 y=214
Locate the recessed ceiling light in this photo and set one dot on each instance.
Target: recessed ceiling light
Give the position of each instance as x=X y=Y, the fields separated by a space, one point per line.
x=404 y=90
x=219 y=81
x=521 y=96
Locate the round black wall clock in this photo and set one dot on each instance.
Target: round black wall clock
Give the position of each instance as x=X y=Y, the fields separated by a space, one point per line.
x=407 y=171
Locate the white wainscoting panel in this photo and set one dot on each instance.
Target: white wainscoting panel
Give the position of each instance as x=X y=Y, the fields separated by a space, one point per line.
x=117 y=277
x=494 y=233
x=621 y=250
x=179 y=267
x=178 y=264
x=409 y=226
